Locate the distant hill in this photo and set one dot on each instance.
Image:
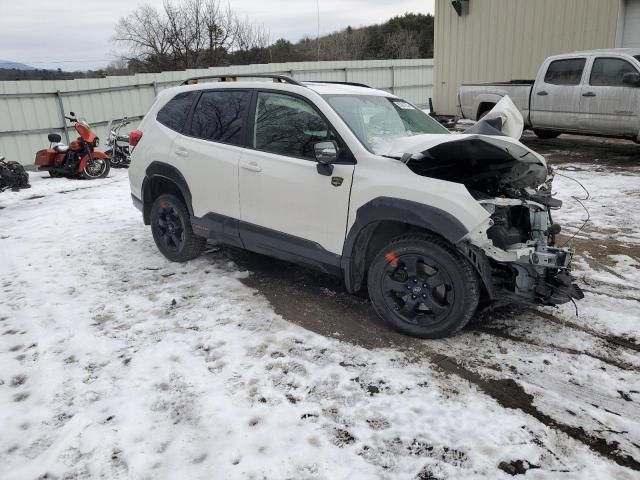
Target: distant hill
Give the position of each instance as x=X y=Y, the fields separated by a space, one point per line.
x=6 y=64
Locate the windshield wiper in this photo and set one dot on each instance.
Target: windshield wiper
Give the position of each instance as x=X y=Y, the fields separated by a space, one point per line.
x=406 y=157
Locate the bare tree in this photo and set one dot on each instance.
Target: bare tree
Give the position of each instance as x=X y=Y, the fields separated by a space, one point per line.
x=220 y=26
x=145 y=32
x=190 y=34
x=401 y=44
x=348 y=44
x=117 y=67
x=251 y=42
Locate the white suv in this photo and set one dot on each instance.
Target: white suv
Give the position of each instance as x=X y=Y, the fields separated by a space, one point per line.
x=355 y=182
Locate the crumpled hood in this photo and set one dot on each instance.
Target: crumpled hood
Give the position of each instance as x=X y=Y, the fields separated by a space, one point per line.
x=471 y=158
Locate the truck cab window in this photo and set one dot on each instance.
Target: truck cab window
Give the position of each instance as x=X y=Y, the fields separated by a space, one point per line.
x=609 y=72
x=565 y=72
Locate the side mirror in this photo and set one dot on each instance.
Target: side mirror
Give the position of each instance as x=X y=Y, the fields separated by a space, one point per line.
x=631 y=78
x=73 y=114
x=54 y=138
x=326 y=154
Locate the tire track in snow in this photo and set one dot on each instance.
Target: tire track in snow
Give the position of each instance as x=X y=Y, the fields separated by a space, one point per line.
x=611 y=339
x=509 y=394
x=297 y=295
x=507 y=335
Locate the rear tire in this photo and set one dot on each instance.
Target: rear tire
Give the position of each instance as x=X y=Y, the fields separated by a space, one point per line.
x=546 y=134
x=422 y=287
x=172 y=231
x=483 y=114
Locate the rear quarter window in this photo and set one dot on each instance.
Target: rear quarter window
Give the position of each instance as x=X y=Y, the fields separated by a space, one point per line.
x=219 y=115
x=174 y=114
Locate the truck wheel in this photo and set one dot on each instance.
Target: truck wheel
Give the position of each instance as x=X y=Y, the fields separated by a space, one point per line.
x=422 y=287
x=483 y=114
x=172 y=231
x=546 y=134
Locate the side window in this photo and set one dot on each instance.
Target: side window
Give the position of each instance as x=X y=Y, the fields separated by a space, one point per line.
x=565 y=72
x=609 y=72
x=174 y=113
x=287 y=125
x=219 y=116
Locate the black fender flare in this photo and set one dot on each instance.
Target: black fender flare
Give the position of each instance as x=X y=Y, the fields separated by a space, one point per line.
x=380 y=209
x=168 y=172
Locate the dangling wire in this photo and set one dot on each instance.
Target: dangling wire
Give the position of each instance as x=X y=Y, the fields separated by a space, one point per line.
x=579 y=200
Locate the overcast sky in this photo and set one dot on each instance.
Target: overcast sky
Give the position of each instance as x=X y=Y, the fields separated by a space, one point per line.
x=73 y=34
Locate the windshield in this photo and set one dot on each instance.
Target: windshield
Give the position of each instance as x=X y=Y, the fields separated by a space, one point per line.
x=378 y=121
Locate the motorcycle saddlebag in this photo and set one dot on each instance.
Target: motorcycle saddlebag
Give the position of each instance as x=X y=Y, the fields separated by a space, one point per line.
x=45 y=157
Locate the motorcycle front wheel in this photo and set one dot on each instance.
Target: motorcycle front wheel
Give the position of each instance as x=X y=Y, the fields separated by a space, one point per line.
x=118 y=160
x=96 y=168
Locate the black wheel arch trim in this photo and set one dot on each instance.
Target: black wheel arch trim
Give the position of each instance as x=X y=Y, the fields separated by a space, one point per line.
x=169 y=172
x=399 y=210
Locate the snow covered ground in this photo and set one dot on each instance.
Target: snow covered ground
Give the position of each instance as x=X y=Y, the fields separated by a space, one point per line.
x=115 y=363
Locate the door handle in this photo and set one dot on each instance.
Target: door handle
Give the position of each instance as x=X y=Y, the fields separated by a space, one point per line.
x=251 y=166
x=182 y=152
x=589 y=94
x=542 y=93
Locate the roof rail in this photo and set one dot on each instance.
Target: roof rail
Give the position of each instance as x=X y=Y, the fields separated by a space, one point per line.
x=352 y=84
x=233 y=77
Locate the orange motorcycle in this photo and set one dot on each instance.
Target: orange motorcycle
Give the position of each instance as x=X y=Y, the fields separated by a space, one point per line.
x=78 y=159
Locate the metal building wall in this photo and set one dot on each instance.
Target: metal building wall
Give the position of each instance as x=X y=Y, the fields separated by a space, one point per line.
x=501 y=40
x=31 y=109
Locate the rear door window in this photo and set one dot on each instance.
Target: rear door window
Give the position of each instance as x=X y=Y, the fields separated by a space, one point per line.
x=174 y=114
x=219 y=116
x=565 y=72
x=609 y=72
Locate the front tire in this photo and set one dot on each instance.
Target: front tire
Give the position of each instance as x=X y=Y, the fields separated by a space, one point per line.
x=422 y=287
x=172 y=231
x=96 y=168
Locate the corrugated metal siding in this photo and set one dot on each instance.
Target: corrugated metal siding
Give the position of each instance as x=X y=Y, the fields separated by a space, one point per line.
x=502 y=40
x=33 y=105
x=631 y=24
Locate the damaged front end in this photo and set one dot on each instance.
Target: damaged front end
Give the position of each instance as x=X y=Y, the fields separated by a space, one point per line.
x=519 y=241
x=514 y=249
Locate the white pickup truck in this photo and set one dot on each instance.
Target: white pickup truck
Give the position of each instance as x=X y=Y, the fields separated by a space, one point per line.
x=594 y=92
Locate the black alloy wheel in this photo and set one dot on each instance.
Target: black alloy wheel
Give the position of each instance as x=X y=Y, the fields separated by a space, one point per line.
x=172 y=230
x=170 y=227
x=422 y=286
x=418 y=288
